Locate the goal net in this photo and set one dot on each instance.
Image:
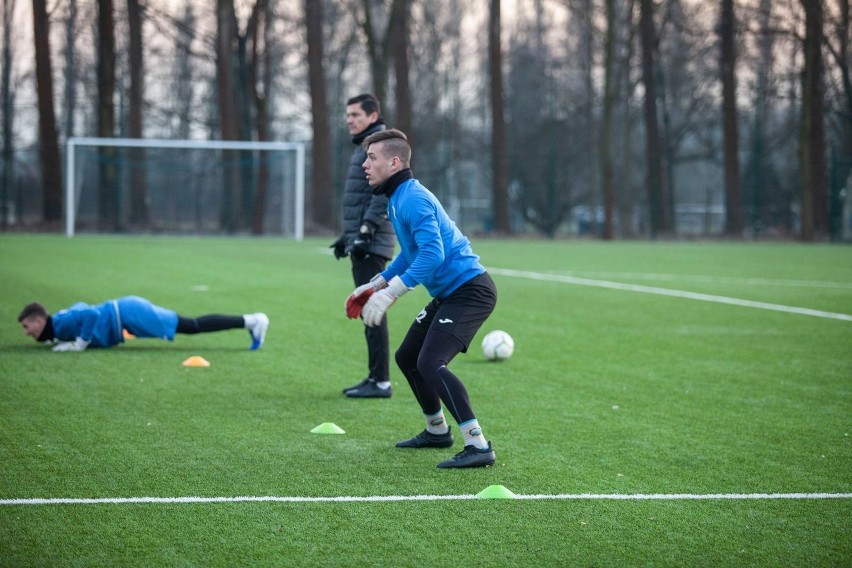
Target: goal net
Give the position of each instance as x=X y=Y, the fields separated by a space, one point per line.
x=184 y=186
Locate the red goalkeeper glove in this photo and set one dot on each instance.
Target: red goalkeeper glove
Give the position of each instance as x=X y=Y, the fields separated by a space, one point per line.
x=356 y=300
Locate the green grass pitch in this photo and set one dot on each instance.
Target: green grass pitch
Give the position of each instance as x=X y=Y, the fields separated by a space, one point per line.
x=609 y=392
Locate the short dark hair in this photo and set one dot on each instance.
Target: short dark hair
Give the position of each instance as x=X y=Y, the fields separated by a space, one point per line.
x=396 y=142
x=369 y=103
x=30 y=310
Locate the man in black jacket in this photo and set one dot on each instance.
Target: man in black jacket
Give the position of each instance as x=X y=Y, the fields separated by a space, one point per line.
x=367 y=238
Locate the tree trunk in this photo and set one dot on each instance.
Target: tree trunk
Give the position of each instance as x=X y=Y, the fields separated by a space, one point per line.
x=588 y=69
x=70 y=68
x=259 y=82
x=377 y=54
x=399 y=42
x=607 y=188
x=812 y=152
x=138 y=193
x=378 y=46
x=627 y=190
x=733 y=200
x=108 y=203
x=656 y=195
x=500 y=183
x=225 y=85
x=323 y=210
x=7 y=117
x=51 y=164
x=755 y=170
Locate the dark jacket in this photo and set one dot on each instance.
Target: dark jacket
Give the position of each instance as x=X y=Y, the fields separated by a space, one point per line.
x=361 y=206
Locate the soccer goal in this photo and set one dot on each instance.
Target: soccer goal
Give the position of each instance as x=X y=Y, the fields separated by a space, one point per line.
x=184 y=186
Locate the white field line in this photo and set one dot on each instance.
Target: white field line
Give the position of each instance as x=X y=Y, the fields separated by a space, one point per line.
x=713 y=279
x=383 y=498
x=668 y=292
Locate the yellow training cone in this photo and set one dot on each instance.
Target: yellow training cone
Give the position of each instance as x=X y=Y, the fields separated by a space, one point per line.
x=495 y=492
x=328 y=428
x=196 y=361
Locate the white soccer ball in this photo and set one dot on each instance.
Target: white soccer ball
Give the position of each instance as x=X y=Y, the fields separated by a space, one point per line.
x=497 y=345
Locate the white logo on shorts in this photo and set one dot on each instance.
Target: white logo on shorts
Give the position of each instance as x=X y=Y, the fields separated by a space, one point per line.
x=420 y=316
x=447 y=320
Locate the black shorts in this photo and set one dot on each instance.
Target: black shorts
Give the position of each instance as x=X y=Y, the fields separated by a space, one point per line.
x=460 y=314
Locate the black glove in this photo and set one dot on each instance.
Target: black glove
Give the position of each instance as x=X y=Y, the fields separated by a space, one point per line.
x=361 y=244
x=339 y=247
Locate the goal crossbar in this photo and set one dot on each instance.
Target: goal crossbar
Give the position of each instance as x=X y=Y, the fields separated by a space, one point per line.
x=298 y=147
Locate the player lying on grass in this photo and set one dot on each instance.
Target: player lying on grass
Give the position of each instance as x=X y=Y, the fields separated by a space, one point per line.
x=433 y=252
x=103 y=325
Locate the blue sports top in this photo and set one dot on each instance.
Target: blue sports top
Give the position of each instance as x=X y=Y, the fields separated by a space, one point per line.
x=103 y=324
x=433 y=251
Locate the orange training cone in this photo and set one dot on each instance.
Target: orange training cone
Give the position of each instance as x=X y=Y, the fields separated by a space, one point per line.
x=196 y=361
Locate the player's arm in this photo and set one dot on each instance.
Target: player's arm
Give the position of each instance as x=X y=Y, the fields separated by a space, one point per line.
x=85 y=320
x=430 y=247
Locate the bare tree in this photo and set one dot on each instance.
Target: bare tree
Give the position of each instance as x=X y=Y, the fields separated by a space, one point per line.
x=70 y=68
x=399 y=34
x=839 y=45
x=108 y=204
x=6 y=115
x=51 y=163
x=582 y=27
x=607 y=188
x=226 y=34
x=260 y=80
x=184 y=98
x=379 y=41
x=627 y=190
x=377 y=51
x=757 y=164
x=543 y=156
x=657 y=201
x=813 y=155
x=499 y=183
x=728 y=60
x=323 y=211
x=138 y=193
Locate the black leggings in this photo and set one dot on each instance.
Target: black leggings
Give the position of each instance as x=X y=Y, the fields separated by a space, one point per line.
x=425 y=366
x=212 y=322
x=441 y=331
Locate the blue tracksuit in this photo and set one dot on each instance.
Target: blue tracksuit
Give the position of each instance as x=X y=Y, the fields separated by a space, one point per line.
x=102 y=324
x=433 y=251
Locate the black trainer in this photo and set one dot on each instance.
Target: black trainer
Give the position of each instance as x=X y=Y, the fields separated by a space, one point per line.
x=471 y=456
x=370 y=389
x=359 y=385
x=426 y=439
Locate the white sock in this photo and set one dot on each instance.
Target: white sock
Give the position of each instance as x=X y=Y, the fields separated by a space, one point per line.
x=473 y=434
x=435 y=423
x=249 y=320
x=383 y=384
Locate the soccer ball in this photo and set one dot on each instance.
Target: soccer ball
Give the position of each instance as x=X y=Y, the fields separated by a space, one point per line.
x=497 y=345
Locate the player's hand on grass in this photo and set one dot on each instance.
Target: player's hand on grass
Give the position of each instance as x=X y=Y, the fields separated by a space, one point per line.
x=78 y=344
x=356 y=300
x=376 y=306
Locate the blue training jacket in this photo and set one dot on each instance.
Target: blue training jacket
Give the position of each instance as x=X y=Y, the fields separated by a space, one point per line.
x=103 y=324
x=433 y=251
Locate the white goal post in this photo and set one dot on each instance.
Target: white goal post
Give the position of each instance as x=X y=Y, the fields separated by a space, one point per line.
x=179 y=166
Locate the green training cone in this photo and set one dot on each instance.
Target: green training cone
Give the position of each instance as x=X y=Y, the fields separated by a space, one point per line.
x=328 y=428
x=495 y=492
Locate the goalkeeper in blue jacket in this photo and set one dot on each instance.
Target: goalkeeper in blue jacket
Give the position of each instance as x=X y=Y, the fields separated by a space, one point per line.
x=104 y=325
x=434 y=253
